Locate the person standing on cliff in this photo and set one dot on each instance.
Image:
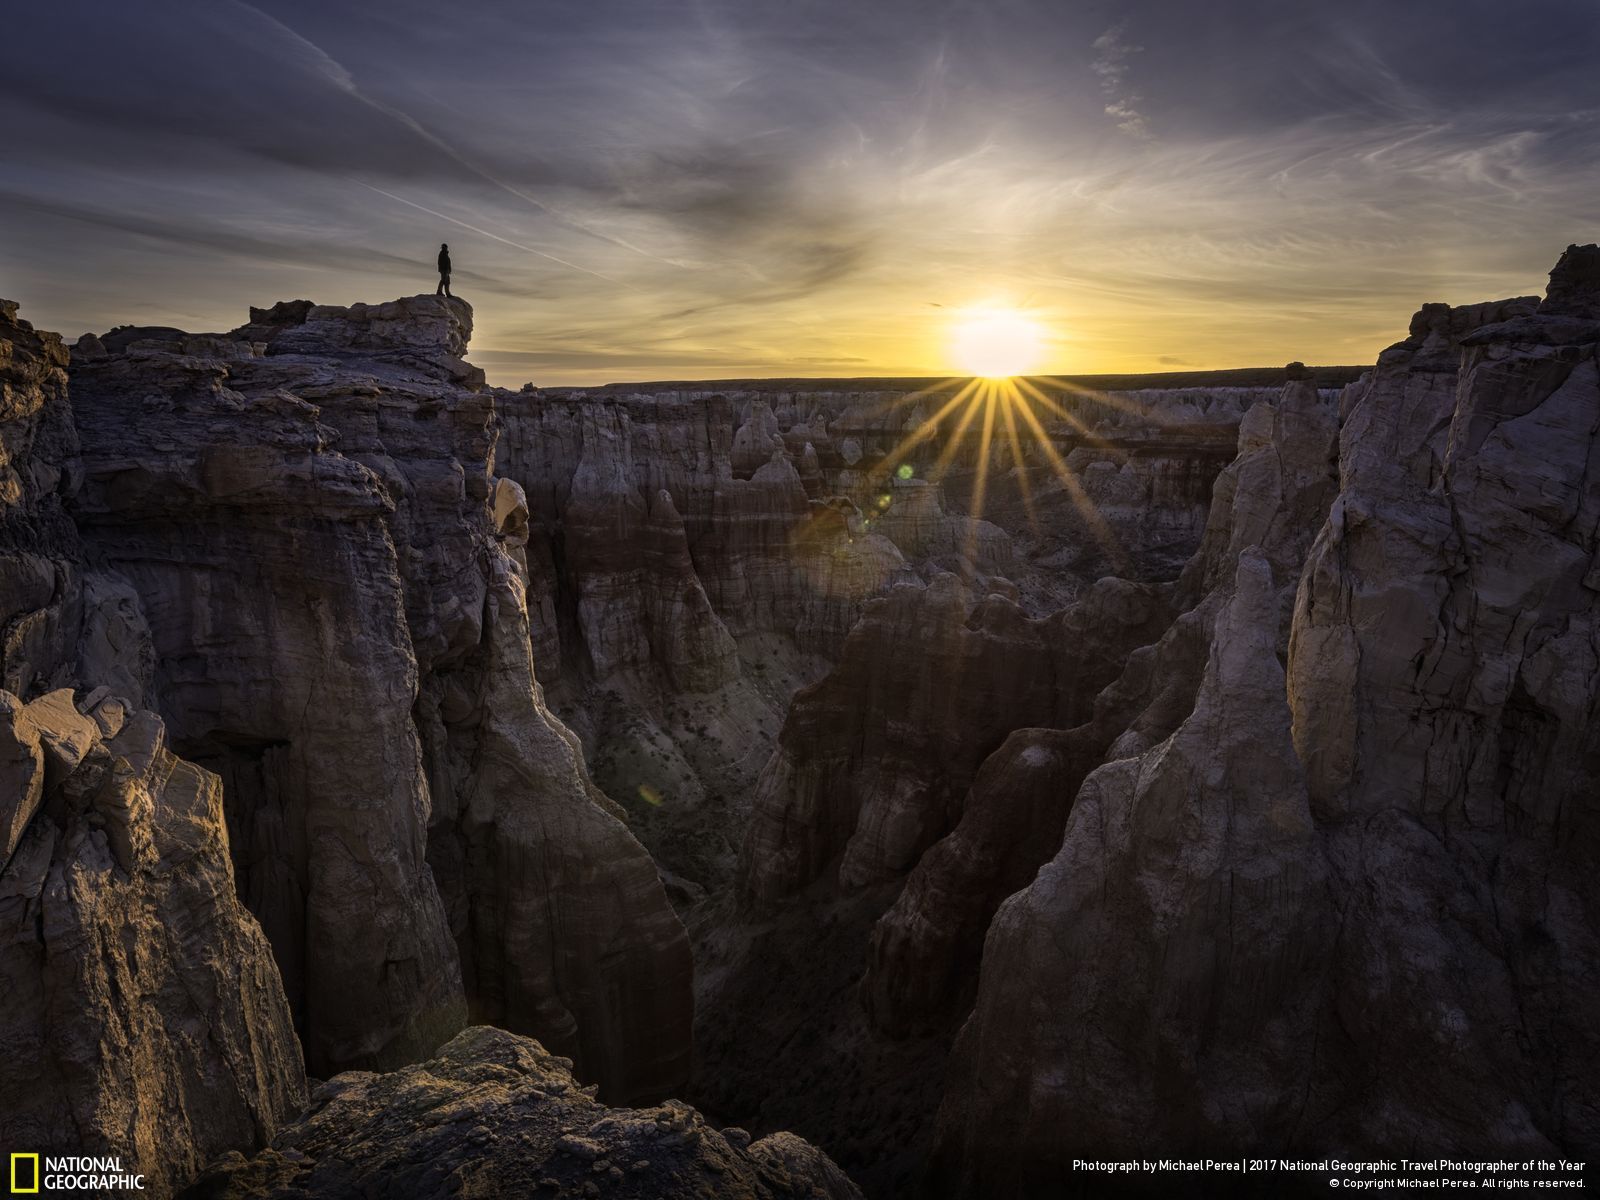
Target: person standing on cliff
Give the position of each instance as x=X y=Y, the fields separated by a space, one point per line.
x=444 y=271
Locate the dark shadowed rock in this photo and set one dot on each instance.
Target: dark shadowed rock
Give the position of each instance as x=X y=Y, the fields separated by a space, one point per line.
x=496 y=1115
x=1357 y=869
x=1575 y=283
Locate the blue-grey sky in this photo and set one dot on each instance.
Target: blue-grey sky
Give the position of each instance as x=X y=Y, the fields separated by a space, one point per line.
x=701 y=188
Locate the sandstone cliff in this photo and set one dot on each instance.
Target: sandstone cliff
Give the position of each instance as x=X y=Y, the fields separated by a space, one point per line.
x=337 y=688
x=143 y=1014
x=1312 y=915
x=303 y=507
x=925 y=951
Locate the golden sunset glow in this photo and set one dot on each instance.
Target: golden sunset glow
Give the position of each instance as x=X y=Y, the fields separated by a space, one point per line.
x=997 y=343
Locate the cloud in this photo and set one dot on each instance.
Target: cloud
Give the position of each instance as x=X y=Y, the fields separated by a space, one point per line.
x=218 y=239
x=667 y=188
x=1112 y=63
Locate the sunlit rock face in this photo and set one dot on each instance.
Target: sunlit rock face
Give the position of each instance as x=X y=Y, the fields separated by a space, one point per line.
x=497 y=1115
x=1356 y=867
x=305 y=509
x=143 y=1015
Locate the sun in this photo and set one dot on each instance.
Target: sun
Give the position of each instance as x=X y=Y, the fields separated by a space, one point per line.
x=997 y=343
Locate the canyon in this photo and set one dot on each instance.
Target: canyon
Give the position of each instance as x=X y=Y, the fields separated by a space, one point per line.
x=416 y=787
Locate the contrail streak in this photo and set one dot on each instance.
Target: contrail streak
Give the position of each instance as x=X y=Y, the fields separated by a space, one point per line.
x=485 y=233
x=339 y=75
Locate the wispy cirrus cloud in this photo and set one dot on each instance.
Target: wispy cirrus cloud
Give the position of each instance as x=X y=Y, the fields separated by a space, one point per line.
x=1113 y=63
x=728 y=187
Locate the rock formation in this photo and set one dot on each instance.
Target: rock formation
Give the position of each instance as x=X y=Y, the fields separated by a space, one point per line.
x=1226 y=779
x=926 y=950
x=302 y=508
x=694 y=558
x=930 y=773
x=1309 y=916
x=496 y=1115
x=143 y=1014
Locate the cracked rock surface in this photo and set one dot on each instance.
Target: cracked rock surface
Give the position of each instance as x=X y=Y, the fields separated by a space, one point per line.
x=496 y=1115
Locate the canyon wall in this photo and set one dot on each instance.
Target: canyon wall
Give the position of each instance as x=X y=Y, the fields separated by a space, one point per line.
x=1237 y=747
x=1325 y=807
x=143 y=1012
x=695 y=558
x=274 y=758
x=921 y=781
x=302 y=508
x=1348 y=903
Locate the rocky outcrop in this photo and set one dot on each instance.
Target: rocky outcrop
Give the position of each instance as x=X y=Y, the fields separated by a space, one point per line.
x=562 y=922
x=40 y=568
x=1354 y=871
x=1146 y=899
x=144 y=1016
x=680 y=598
x=930 y=774
x=695 y=557
x=925 y=951
x=304 y=510
x=910 y=513
x=496 y=1115
x=266 y=564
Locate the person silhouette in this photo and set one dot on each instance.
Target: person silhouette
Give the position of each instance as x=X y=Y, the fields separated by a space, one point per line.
x=444 y=271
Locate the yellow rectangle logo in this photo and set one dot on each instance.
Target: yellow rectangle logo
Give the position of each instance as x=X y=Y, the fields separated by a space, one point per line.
x=17 y=1188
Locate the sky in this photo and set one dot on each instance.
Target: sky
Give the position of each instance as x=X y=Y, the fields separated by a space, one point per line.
x=677 y=189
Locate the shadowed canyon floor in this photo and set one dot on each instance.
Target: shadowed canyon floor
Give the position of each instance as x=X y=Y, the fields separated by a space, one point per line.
x=410 y=787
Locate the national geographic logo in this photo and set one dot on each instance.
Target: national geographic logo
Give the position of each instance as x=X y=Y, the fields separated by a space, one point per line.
x=33 y=1173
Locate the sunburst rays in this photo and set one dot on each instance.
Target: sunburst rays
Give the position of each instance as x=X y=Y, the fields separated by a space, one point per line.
x=1013 y=406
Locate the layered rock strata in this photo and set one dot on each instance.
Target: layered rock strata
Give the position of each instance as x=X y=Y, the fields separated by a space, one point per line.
x=695 y=557
x=1033 y=713
x=304 y=509
x=144 y=1016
